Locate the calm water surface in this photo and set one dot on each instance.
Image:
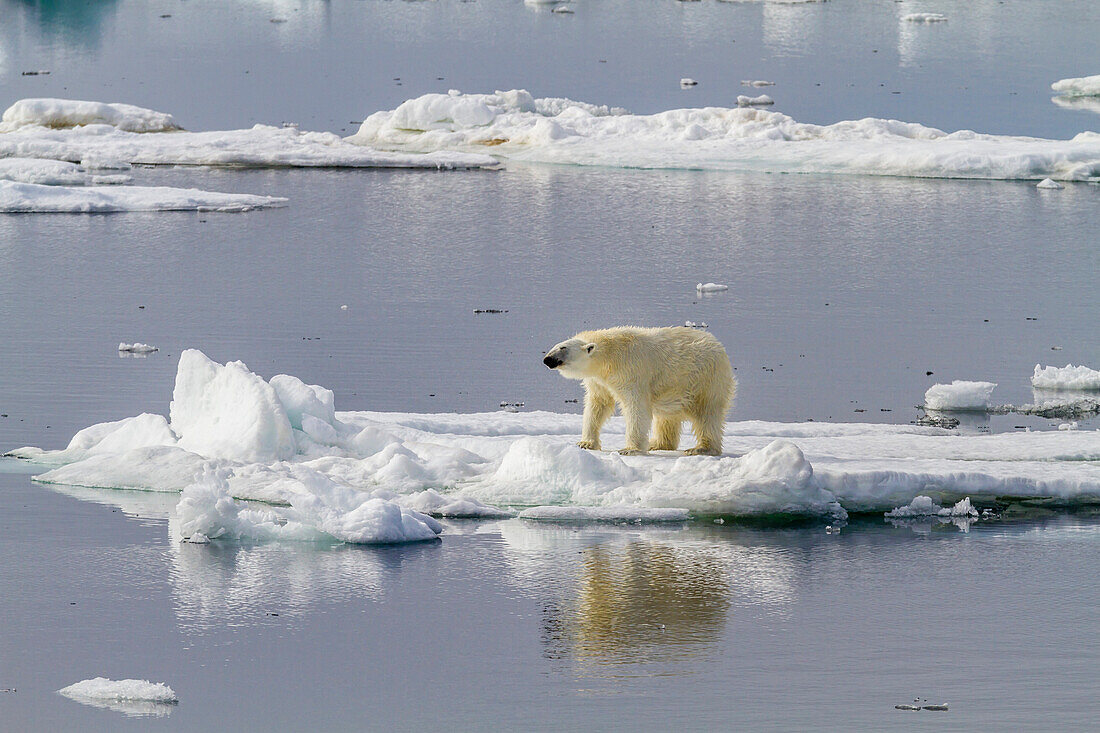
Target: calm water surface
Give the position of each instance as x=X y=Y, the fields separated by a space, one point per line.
x=844 y=293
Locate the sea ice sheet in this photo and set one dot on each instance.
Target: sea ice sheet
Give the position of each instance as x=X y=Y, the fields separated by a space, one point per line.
x=514 y=125
x=27 y=198
x=372 y=477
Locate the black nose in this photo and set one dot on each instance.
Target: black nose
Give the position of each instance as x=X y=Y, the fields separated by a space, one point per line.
x=552 y=361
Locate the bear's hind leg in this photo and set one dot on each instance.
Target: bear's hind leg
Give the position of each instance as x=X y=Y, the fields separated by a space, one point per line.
x=708 y=434
x=667 y=433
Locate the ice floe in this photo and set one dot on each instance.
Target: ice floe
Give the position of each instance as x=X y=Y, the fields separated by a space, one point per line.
x=1069 y=377
x=1083 y=86
x=55 y=173
x=757 y=83
x=924 y=18
x=1049 y=183
x=130 y=697
x=234 y=439
x=137 y=348
x=515 y=125
x=73 y=131
x=26 y=198
x=761 y=101
x=711 y=287
x=959 y=396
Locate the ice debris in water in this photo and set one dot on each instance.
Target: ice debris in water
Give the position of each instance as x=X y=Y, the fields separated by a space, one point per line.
x=1069 y=377
x=762 y=101
x=101 y=688
x=757 y=83
x=711 y=287
x=687 y=82
x=519 y=126
x=1082 y=86
x=1049 y=183
x=923 y=506
x=924 y=18
x=137 y=348
x=959 y=396
x=26 y=198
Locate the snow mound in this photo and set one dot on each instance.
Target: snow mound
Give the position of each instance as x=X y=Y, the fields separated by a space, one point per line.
x=1069 y=377
x=924 y=18
x=69 y=113
x=923 y=506
x=515 y=125
x=1083 y=86
x=959 y=396
x=101 y=688
x=1049 y=183
x=27 y=198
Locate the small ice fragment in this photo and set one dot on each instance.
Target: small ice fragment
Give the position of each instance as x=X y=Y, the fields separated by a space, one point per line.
x=562 y=10
x=959 y=396
x=1069 y=377
x=693 y=324
x=1068 y=425
x=906 y=706
x=343 y=307
x=1049 y=183
x=942 y=706
x=137 y=348
x=687 y=82
x=719 y=521
x=711 y=287
x=757 y=83
x=925 y=18
x=101 y=688
x=761 y=101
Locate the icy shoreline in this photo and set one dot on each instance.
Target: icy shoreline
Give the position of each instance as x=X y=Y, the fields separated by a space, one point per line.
x=373 y=477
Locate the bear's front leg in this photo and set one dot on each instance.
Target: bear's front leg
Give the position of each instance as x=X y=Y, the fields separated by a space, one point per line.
x=639 y=416
x=598 y=406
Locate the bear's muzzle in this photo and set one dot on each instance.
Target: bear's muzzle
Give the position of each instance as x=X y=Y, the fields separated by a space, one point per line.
x=552 y=361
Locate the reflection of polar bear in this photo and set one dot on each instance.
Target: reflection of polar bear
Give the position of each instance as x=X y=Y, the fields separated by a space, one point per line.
x=663 y=375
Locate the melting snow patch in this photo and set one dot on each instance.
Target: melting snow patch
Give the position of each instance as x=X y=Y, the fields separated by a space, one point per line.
x=959 y=396
x=1069 y=377
x=1083 y=86
x=1049 y=183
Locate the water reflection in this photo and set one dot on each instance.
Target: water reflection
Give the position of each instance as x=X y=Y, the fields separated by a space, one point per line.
x=71 y=21
x=129 y=708
x=792 y=28
x=1084 y=104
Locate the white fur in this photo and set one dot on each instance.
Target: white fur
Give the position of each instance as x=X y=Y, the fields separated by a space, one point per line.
x=658 y=376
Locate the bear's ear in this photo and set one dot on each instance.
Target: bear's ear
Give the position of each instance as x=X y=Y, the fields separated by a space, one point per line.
x=589 y=348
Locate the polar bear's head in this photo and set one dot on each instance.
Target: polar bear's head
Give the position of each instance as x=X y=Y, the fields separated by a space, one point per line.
x=572 y=358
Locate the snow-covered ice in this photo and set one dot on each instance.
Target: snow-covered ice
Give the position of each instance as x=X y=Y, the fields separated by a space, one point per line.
x=923 y=506
x=1049 y=183
x=55 y=173
x=73 y=131
x=372 y=476
x=26 y=198
x=711 y=287
x=137 y=347
x=1083 y=86
x=515 y=125
x=130 y=697
x=761 y=101
x=924 y=18
x=1069 y=377
x=959 y=396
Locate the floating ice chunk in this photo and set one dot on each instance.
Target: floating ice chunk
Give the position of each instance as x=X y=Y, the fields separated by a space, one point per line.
x=1049 y=183
x=43 y=172
x=435 y=504
x=137 y=348
x=130 y=697
x=1083 y=86
x=621 y=513
x=26 y=198
x=923 y=506
x=228 y=412
x=757 y=83
x=924 y=18
x=562 y=10
x=711 y=287
x=1069 y=377
x=319 y=509
x=68 y=113
x=517 y=126
x=762 y=101
x=687 y=82
x=1069 y=426
x=959 y=396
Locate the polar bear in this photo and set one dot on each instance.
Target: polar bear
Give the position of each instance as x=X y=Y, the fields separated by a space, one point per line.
x=656 y=375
